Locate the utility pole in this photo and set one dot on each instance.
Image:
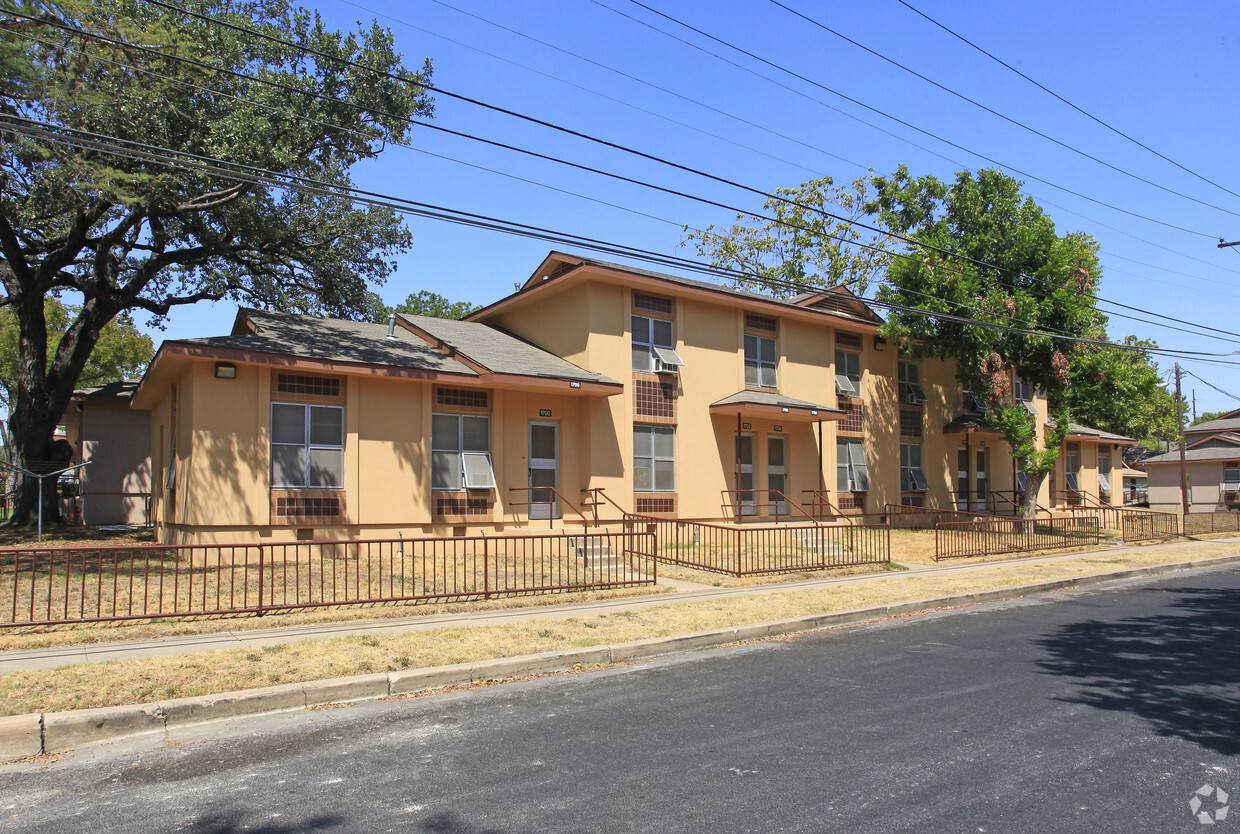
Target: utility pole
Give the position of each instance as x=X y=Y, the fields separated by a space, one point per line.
x=1179 y=413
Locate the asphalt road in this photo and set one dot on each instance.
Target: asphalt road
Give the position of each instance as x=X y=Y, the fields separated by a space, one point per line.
x=1103 y=709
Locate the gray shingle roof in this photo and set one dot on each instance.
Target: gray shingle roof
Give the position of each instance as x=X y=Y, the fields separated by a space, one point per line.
x=714 y=287
x=501 y=351
x=1212 y=426
x=1208 y=453
x=333 y=340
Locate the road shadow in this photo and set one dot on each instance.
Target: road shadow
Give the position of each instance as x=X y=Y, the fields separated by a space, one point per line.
x=1180 y=671
x=235 y=822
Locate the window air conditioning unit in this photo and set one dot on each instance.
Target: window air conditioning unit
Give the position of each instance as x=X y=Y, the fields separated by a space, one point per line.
x=661 y=367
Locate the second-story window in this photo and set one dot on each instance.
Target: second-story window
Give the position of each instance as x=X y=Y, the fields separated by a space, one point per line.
x=847 y=373
x=910 y=385
x=649 y=334
x=760 y=360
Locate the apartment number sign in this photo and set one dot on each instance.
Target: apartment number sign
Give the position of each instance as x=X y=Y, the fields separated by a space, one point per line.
x=779 y=428
x=544 y=412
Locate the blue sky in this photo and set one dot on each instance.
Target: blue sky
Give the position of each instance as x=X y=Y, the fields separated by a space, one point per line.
x=1165 y=74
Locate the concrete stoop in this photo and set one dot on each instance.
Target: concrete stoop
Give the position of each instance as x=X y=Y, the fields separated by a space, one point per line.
x=41 y=733
x=597 y=554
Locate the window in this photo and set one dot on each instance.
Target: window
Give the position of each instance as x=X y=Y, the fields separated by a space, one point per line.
x=852 y=473
x=912 y=478
x=1231 y=478
x=974 y=403
x=654 y=459
x=847 y=373
x=307 y=446
x=1023 y=392
x=1072 y=473
x=1022 y=480
x=652 y=345
x=1104 y=474
x=910 y=387
x=760 y=359
x=461 y=452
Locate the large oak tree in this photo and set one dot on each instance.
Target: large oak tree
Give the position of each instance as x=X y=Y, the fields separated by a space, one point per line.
x=110 y=233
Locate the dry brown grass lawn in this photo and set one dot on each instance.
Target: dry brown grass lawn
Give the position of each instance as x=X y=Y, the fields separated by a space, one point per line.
x=122 y=682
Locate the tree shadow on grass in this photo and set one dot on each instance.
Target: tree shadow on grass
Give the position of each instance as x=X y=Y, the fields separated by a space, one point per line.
x=1180 y=671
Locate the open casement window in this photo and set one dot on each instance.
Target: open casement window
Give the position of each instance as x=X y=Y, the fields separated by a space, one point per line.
x=1071 y=482
x=307 y=446
x=910 y=385
x=847 y=373
x=852 y=474
x=1231 y=480
x=912 y=478
x=652 y=345
x=1104 y=474
x=654 y=459
x=974 y=404
x=1072 y=473
x=170 y=480
x=760 y=361
x=461 y=452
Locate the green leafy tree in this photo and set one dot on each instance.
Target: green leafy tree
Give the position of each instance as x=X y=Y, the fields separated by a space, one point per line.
x=800 y=246
x=1120 y=391
x=426 y=303
x=983 y=252
x=112 y=234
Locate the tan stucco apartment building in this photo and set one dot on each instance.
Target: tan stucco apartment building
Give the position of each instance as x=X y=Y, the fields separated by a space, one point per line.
x=624 y=390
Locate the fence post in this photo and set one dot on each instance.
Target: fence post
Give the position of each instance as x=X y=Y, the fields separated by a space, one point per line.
x=486 y=568
x=261 y=561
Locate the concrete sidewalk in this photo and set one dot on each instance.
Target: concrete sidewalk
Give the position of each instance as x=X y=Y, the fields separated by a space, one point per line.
x=682 y=592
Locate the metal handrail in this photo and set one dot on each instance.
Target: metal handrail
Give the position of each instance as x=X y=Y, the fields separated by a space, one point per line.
x=600 y=492
x=1004 y=493
x=821 y=498
x=550 y=515
x=769 y=504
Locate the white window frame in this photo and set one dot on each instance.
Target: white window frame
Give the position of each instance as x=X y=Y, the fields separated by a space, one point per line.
x=474 y=465
x=850 y=464
x=910 y=385
x=653 y=362
x=1022 y=391
x=842 y=375
x=1072 y=471
x=1104 y=474
x=1231 y=480
x=764 y=373
x=307 y=444
x=654 y=457
x=912 y=476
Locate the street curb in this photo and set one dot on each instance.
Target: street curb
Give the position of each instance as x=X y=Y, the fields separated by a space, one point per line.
x=33 y=734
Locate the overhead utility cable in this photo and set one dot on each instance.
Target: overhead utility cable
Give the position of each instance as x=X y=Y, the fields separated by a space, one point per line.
x=996 y=113
x=909 y=125
x=1056 y=95
x=245 y=173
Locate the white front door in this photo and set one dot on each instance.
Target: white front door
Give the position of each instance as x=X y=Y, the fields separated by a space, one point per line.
x=777 y=473
x=544 y=470
x=745 y=495
x=962 y=480
x=983 y=483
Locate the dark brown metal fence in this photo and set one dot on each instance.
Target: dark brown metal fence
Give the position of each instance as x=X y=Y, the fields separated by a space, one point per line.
x=994 y=535
x=1200 y=524
x=1140 y=525
x=747 y=549
x=44 y=586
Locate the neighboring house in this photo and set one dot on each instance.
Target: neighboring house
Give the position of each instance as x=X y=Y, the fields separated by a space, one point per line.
x=115 y=488
x=673 y=396
x=1211 y=468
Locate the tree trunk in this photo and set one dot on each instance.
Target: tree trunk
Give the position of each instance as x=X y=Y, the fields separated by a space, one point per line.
x=1030 y=509
x=34 y=451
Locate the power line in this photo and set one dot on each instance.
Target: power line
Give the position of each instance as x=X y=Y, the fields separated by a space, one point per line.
x=994 y=112
x=1211 y=385
x=646 y=184
x=245 y=173
x=909 y=125
x=1056 y=95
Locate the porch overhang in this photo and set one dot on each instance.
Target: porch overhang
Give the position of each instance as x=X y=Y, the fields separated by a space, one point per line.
x=763 y=404
x=971 y=424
